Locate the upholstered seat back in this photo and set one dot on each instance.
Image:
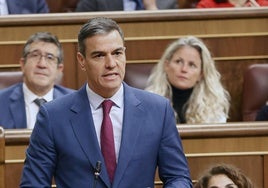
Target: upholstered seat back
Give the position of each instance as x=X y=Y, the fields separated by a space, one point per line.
x=137 y=74
x=12 y=77
x=9 y=78
x=255 y=90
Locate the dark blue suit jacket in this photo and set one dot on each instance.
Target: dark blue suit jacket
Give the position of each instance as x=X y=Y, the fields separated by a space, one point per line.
x=262 y=115
x=117 y=5
x=12 y=105
x=27 y=6
x=64 y=144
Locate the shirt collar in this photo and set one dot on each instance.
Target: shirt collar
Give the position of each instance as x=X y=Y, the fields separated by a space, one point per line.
x=30 y=96
x=95 y=100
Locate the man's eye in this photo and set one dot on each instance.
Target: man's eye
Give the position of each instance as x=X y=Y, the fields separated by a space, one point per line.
x=35 y=55
x=50 y=57
x=98 y=56
x=119 y=53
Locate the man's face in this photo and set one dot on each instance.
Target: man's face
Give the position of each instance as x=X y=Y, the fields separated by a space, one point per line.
x=40 y=67
x=104 y=63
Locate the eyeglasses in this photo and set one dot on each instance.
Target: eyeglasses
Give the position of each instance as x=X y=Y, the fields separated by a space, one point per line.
x=36 y=56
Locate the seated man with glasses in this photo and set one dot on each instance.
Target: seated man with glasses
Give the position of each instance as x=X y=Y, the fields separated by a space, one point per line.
x=42 y=65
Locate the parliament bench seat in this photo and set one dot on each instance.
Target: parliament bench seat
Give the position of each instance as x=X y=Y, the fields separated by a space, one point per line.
x=9 y=78
x=255 y=90
x=138 y=74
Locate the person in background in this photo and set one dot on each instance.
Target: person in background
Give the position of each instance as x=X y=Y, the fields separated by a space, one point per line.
x=70 y=141
x=187 y=76
x=262 y=115
x=23 y=7
x=223 y=176
x=126 y=5
x=231 y=3
x=41 y=64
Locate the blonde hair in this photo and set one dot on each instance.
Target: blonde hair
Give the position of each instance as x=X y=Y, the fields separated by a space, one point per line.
x=209 y=101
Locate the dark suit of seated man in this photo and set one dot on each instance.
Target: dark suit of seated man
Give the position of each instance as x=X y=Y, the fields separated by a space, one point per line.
x=24 y=7
x=127 y=5
x=41 y=64
x=262 y=115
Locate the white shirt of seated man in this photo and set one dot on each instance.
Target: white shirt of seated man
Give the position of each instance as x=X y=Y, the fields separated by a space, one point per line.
x=130 y=5
x=3 y=7
x=30 y=107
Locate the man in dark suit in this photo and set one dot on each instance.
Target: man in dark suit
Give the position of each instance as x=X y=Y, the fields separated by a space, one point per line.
x=27 y=6
x=118 y=5
x=262 y=115
x=42 y=65
x=68 y=140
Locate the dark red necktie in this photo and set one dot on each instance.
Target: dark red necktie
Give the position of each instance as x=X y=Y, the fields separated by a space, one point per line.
x=107 y=139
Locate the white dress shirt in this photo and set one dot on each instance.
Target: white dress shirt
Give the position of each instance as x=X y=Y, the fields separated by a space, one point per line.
x=116 y=114
x=30 y=106
x=129 y=5
x=3 y=7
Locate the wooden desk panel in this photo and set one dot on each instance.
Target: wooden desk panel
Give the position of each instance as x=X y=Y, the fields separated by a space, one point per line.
x=265 y=173
x=13 y=172
x=241 y=144
x=2 y=157
x=251 y=165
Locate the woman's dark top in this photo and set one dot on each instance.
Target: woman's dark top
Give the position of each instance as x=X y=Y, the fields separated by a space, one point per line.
x=262 y=115
x=179 y=98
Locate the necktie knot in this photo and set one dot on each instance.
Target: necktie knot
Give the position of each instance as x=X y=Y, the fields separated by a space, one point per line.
x=40 y=101
x=107 y=105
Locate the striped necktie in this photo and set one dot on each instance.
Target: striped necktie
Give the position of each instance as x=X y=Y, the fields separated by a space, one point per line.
x=40 y=101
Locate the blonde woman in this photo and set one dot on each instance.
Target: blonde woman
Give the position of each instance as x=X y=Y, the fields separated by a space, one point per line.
x=186 y=74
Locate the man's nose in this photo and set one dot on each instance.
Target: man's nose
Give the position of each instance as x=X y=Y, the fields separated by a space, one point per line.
x=42 y=61
x=110 y=61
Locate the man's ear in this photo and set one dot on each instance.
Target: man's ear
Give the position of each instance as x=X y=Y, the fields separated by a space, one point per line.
x=81 y=60
x=22 y=63
x=60 y=67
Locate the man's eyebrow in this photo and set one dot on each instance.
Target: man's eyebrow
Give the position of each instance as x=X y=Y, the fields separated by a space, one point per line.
x=103 y=52
x=120 y=48
x=96 y=52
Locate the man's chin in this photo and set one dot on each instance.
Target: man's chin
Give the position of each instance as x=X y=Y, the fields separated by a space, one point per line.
x=42 y=84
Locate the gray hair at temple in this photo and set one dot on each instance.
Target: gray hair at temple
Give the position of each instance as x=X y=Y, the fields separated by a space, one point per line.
x=96 y=26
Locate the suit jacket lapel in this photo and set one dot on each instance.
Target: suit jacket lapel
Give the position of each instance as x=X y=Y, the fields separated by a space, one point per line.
x=83 y=127
x=131 y=128
x=17 y=108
